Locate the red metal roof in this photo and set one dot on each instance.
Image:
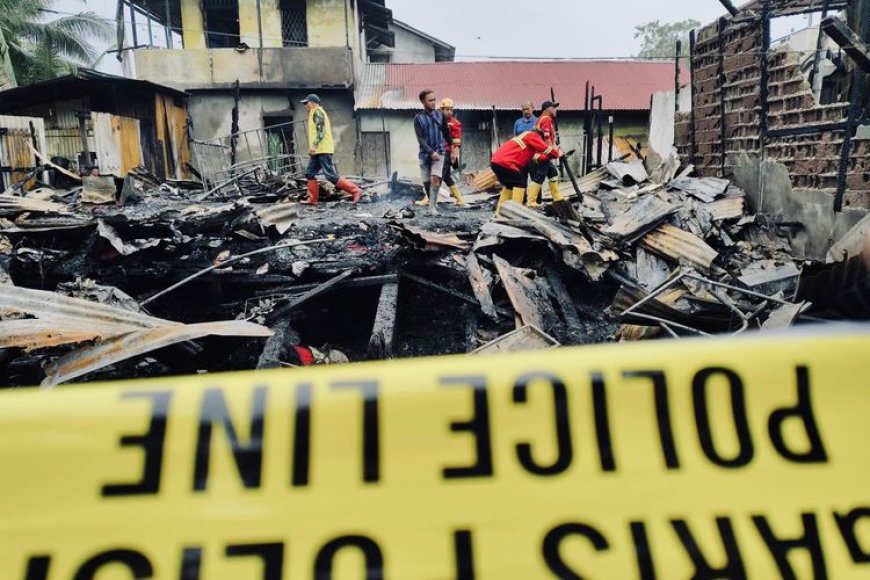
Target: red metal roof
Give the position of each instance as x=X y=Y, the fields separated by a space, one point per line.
x=625 y=85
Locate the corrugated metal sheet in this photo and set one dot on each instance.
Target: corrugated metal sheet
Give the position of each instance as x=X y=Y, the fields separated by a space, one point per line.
x=13 y=145
x=681 y=246
x=118 y=145
x=625 y=85
x=120 y=333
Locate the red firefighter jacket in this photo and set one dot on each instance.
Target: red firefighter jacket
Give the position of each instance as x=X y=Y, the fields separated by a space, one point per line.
x=526 y=147
x=545 y=125
x=454 y=127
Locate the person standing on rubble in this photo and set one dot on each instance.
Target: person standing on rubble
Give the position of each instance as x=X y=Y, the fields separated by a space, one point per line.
x=512 y=161
x=451 y=148
x=431 y=130
x=546 y=170
x=527 y=121
x=321 y=149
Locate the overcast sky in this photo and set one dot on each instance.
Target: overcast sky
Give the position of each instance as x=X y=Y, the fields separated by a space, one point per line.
x=509 y=28
x=554 y=29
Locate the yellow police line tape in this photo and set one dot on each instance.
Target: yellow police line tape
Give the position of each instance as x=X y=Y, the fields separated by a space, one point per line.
x=741 y=458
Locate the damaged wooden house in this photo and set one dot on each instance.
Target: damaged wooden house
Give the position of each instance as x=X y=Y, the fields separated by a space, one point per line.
x=90 y=119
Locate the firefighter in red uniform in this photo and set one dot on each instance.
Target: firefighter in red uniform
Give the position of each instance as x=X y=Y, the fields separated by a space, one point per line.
x=452 y=145
x=512 y=160
x=542 y=171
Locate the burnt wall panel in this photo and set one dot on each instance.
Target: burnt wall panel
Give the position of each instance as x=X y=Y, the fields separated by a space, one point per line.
x=733 y=77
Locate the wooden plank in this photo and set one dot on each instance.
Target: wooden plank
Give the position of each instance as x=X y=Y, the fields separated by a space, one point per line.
x=522 y=339
x=384 y=329
x=522 y=292
x=479 y=279
x=131 y=144
x=563 y=299
x=182 y=145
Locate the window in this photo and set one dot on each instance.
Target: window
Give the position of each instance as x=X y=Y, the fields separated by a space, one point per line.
x=294 y=24
x=221 y=19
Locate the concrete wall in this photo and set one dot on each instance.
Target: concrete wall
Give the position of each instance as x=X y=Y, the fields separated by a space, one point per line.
x=411 y=48
x=189 y=69
x=212 y=117
x=327 y=24
x=269 y=18
x=193 y=29
x=812 y=161
x=769 y=192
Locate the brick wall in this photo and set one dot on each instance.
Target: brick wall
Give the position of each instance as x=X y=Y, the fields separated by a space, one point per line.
x=812 y=160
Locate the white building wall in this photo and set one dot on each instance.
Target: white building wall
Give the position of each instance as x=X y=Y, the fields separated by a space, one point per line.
x=410 y=48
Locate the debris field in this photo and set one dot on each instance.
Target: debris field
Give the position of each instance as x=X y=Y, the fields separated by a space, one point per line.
x=157 y=279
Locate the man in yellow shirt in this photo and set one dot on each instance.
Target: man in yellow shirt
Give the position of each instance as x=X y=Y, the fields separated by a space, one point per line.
x=321 y=148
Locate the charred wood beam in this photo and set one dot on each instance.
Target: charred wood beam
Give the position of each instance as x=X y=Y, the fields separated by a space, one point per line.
x=693 y=130
x=384 y=329
x=850 y=42
x=355 y=283
x=563 y=299
x=458 y=295
x=765 y=76
x=809 y=130
x=729 y=6
x=478 y=281
x=855 y=104
x=275 y=348
x=313 y=293
x=723 y=134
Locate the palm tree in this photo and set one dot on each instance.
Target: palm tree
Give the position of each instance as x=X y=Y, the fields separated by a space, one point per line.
x=40 y=49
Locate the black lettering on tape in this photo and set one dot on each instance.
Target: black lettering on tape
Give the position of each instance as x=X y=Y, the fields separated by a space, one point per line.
x=562 y=420
x=663 y=413
x=374 y=560
x=738 y=407
x=299 y=475
x=151 y=443
x=191 y=563
x=645 y=564
x=463 y=547
x=272 y=556
x=37 y=568
x=139 y=566
x=478 y=426
x=733 y=568
x=847 y=524
x=248 y=456
x=779 y=549
x=802 y=412
x=371 y=447
x=553 y=542
x=606 y=454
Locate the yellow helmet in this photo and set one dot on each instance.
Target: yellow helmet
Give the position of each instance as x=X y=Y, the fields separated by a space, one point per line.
x=446 y=103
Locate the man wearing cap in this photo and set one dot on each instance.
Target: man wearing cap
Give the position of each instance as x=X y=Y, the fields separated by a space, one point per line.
x=431 y=130
x=541 y=171
x=528 y=121
x=321 y=148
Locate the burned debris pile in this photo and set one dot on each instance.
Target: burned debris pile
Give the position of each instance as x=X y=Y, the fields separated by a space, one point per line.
x=171 y=278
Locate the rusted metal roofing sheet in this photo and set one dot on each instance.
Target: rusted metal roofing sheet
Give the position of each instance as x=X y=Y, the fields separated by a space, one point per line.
x=120 y=333
x=680 y=246
x=625 y=85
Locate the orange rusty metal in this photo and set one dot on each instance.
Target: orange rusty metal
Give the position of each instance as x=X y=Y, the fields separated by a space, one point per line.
x=91 y=358
x=680 y=246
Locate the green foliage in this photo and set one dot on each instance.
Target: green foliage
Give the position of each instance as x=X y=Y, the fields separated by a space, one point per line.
x=40 y=49
x=660 y=40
